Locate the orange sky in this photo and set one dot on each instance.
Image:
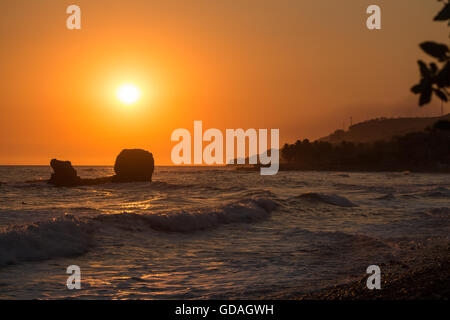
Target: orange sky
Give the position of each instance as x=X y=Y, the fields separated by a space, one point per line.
x=301 y=66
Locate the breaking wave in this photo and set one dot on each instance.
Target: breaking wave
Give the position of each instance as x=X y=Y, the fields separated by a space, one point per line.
x=68 y=235
x=245 y=211
x=60 y=237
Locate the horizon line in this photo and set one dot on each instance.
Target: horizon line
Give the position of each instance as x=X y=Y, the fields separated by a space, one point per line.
x=112 y=165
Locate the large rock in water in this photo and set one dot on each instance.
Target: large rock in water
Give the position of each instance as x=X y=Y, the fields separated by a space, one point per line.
x=134 y=165
x=64 y=175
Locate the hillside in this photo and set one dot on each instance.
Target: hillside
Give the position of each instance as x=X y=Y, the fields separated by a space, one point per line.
x=381 y=129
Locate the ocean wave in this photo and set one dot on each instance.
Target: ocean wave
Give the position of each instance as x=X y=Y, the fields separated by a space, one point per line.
x=388 y=196
x=30 y=184
x=443 y=212
x=155 y=185
x=342 y=175
x=409 y=196
x=166 y=185
x=80 y=208
x=364 y=188
x=259 y=194
x=231 y=188
x=348 y=242
x=193 y=170
x=339 y=244
x=398 y=174
x=60 y=237
x=245 y=211
x=440 y=192
x=332 y=199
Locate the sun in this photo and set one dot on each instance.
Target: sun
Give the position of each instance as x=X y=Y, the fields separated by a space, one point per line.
x=128 y=93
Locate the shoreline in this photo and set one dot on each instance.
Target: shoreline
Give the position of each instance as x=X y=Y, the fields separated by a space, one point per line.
x=287 y=168
x=424 y=275
x=283 y=167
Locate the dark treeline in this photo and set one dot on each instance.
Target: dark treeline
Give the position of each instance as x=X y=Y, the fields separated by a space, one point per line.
x=428 y=150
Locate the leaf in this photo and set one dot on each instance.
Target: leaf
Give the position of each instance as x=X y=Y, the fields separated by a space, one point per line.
x=441 y=95
x=425 y=96
x=433 y=68
x=443 y=77
x=416 y=89
x=444 y=14
x=423 y=85
x=424 y=69
x=436 y=50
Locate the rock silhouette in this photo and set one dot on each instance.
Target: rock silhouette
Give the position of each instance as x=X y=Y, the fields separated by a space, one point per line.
x=134 y=165
x=64 y=175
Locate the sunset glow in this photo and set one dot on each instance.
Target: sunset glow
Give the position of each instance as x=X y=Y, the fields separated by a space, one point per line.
x=128 y=94
x=273 y=152
x=137 y=72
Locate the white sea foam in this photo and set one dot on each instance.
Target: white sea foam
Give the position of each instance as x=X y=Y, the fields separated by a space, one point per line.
x=59 y=237
x=245 y=211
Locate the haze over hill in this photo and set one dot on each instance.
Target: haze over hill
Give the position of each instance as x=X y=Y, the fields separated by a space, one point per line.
x=382 y=129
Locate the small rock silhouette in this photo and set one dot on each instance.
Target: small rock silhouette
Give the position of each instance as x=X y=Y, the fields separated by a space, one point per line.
x=64 y=175
x=132 y=165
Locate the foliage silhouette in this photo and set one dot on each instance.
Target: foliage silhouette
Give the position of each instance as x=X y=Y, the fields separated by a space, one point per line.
x=427 y=150
x=435 y=77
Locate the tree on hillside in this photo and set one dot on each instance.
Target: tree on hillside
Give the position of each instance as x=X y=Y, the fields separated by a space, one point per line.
x=435 y=77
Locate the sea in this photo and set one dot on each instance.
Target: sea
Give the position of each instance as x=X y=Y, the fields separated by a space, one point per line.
x=210 y=232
